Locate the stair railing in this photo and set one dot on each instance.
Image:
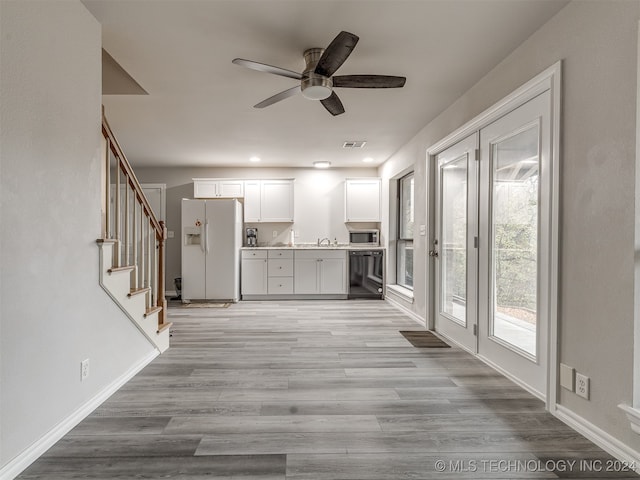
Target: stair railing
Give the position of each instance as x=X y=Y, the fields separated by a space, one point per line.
x=138 y=237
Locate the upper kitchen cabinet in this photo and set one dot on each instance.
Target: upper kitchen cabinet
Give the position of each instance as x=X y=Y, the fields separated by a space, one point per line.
x=268 y=201
x=362 y=199
x=217 y=188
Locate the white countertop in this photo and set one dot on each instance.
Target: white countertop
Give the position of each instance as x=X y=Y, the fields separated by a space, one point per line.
x=315 y=247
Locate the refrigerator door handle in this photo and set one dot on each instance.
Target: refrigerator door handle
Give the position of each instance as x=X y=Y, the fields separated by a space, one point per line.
x=206 y=236
x=202 y=233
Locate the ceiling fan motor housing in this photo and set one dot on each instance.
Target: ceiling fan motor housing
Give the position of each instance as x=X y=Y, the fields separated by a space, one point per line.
x=313 y=85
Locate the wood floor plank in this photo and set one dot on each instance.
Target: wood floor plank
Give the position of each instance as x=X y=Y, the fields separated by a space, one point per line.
x=261 y=424
x=384 y=407
x=249 y=467
x=125 y=446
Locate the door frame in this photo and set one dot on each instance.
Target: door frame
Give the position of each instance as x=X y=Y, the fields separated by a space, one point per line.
x=550 y=79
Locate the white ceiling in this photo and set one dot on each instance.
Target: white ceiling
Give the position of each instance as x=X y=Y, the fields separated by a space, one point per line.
x=199 y=108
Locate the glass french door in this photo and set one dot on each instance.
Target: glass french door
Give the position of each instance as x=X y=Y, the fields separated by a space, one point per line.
x=514 y=222
x=456 y=232
x=492 y=247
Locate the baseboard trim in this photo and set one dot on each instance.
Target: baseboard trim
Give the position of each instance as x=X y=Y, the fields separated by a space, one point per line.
x=414 y=316
x=633 y=414
x=32 y=453
x=514 y=379
x=608 y=443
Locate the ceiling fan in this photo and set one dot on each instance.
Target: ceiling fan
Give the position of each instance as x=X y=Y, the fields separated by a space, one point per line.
x=317 y=81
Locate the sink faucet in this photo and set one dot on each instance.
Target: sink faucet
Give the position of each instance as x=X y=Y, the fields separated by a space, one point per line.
x=320 y=241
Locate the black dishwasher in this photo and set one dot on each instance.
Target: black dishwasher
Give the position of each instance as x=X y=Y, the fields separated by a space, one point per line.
x=366 y=273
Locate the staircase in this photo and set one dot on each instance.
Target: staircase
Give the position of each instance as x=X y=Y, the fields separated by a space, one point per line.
x=132 y=246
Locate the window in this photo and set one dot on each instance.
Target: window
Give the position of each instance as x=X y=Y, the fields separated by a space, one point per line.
x=404 y=255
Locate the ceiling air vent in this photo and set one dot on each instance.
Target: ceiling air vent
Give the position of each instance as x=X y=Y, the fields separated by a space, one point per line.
x=354 y=144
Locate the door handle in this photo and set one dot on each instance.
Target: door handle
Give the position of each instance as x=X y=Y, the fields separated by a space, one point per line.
x=434 y=252
x=206 y=229
x=202 y=238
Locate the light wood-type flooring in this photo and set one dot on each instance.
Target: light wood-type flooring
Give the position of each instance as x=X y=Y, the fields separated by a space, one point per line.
x=317 y=390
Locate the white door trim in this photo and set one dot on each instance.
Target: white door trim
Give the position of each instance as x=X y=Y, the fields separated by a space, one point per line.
x=550 y=79
x=633 y=411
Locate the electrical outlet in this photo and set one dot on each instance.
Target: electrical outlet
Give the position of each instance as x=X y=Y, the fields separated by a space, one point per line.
x=582 y=385
x=567 y=377
x=84 y=370
x=275 y=233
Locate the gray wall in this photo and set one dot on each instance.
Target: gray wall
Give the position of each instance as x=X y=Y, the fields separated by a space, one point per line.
x=53 y=313
x=597 y=42
x=318 y=203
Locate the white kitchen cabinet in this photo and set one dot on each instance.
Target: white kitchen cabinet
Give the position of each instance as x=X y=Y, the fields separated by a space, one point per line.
x=306 y=276
x=320 y=272
x=252 y=201
x=362 y=200
x=280 y=272
x=268 y=201
x=217 y=188
x=254 y=272
x=333 y=275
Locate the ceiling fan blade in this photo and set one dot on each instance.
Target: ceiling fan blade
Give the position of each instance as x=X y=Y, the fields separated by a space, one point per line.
x=263 y=67
x=368 y=81
x=278 y=96
x=336 y=53
x=333 y=104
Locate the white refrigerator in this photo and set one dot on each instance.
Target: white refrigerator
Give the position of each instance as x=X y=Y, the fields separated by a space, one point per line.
x=211 y=242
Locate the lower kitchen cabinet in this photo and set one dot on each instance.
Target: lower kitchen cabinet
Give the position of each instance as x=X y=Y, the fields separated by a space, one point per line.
x=254 y=272
x=320 y=272
x=276 y=274
x=280 y=272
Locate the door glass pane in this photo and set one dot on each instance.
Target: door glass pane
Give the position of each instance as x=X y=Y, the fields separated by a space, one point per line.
x=454 y=240
x=514 y=230
x=404 y=263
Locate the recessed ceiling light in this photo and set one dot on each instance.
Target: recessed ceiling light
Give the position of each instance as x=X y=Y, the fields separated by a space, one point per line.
x=254 y=159
x=322 y=164
x=367 y=160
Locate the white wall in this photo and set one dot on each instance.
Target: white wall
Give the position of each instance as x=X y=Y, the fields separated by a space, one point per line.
x=597 y=42
x=53 y=313
x=318 y=202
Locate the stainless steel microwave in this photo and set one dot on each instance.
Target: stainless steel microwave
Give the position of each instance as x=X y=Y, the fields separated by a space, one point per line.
x=364 y=237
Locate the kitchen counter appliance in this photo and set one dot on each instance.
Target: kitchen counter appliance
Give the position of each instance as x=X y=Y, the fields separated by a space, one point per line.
x=363 y=237
x=366 y=274
x=252 y=237
x=211 y=242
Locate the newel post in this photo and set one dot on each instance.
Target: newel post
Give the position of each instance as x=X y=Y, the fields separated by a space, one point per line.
x=162 y=300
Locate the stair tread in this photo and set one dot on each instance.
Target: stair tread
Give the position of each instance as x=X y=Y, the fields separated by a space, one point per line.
x=138 y=291
x=152 y=310
x=164 y=326
x=126 y=268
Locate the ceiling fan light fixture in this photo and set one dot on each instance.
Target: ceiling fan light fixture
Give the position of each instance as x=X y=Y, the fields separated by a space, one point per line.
x=316 y=92
x=254 y=159
x=317 y=80
x=322 y=164
x=316 y=87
